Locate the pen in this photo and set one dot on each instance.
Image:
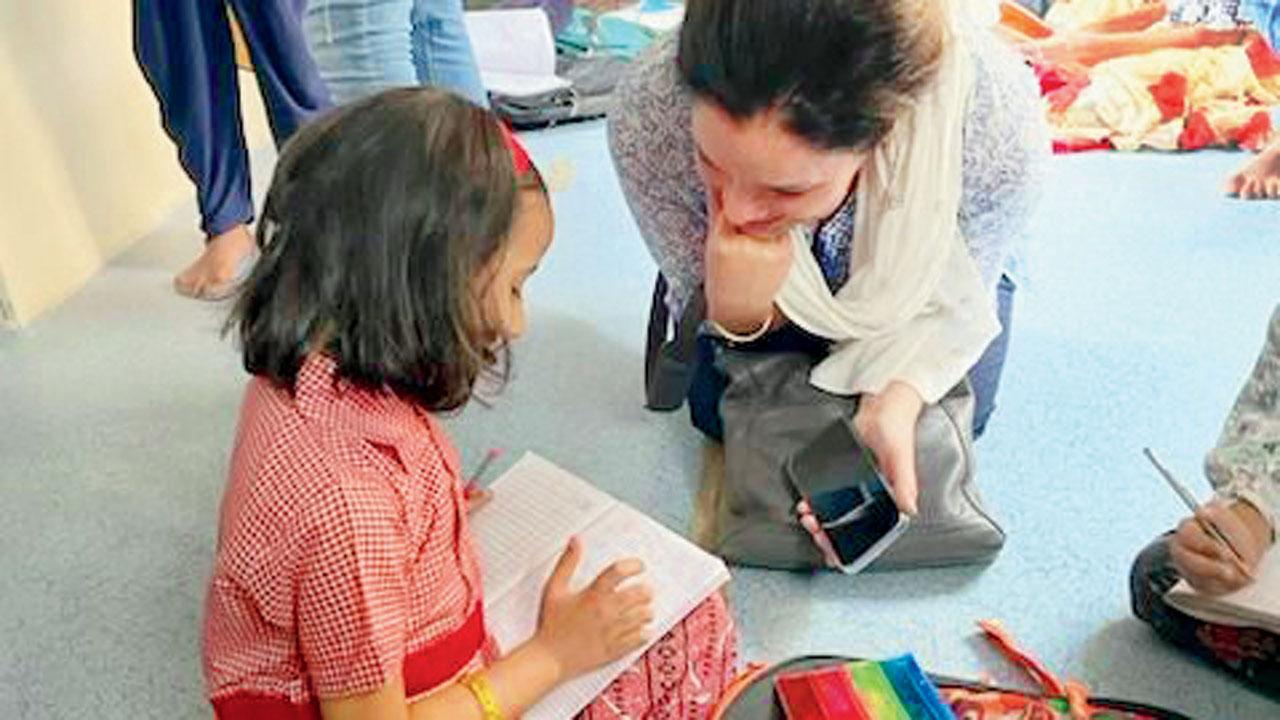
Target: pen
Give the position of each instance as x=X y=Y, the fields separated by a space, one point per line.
x=473 y=484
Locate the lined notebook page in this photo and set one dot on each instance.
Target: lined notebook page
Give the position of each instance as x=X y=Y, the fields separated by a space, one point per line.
x=536 y=508
x=1255 y=605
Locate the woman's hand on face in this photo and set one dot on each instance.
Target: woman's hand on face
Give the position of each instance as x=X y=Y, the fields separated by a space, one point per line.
x=886 y=425
x=743 y=275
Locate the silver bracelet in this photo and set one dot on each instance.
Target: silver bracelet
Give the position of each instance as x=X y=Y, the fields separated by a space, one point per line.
x=733 y=337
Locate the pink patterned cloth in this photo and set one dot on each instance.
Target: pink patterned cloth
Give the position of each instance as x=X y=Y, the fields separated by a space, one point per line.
x=682 y=676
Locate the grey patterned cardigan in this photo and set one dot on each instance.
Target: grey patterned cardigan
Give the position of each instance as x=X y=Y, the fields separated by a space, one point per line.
x=1245 y=464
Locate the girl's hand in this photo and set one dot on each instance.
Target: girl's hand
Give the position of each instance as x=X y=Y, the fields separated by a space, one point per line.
x=477 y=499
x=597 y=625
x=1204 y=562
x=886 y=425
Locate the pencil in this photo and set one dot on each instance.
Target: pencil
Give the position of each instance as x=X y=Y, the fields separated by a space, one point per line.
x=1190 y=500
x=473 y=484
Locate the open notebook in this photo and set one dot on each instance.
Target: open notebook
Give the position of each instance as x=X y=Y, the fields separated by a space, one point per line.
x=515 y=51
x=536 y=508
x=1255 y=605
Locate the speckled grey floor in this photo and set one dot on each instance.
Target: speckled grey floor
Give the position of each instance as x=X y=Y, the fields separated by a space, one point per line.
x=1149 y=299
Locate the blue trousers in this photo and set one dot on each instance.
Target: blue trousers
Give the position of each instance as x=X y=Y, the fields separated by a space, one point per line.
x=185 y=50
x=709 y=383
x=364 y=46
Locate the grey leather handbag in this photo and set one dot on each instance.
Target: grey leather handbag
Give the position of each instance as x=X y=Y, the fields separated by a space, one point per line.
x=771 y=411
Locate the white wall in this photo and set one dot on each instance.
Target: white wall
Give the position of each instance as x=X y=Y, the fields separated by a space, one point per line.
x=87 y=168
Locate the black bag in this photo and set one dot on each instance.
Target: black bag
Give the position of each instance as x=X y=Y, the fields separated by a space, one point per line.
x=588 y=96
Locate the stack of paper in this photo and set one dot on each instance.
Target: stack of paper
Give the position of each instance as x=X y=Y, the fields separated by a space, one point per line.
x=515 y=50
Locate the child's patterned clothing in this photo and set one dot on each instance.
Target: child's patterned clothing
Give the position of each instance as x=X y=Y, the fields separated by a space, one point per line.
x=1244 y=466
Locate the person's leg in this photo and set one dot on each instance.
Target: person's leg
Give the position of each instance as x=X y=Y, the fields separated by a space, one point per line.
x=361 y=46
x=185 y=51
x=1092 y=48
x=291 y=86
x=1251 y=654
x=985 y=375
x=442 y=50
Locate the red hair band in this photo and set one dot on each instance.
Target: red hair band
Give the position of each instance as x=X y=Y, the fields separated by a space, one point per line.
x=519 y=156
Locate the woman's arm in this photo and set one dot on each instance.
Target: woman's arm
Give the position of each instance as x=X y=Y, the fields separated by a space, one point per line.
x=1005 y=148
x=652 y=150
x=1090 y=48
x=1006 y=154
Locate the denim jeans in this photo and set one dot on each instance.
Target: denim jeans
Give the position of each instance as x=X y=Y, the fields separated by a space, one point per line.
x=442 y=52
x=365 y=46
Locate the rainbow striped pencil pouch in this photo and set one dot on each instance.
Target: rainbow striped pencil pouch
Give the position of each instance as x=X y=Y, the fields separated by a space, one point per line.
x=895 y=689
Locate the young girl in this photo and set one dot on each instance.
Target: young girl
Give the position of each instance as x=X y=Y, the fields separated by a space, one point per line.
x=396 y=240
x=1244 y=469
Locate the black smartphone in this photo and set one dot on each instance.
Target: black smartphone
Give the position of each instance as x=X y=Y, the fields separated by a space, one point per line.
x=837 y=481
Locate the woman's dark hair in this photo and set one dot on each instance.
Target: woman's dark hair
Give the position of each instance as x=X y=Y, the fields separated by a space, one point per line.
x=378 y=217
x=838 y=70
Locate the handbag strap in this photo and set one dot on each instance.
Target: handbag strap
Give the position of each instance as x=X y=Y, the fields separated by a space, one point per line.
x=670 y=352
x=1075 y=692
x=656 y=335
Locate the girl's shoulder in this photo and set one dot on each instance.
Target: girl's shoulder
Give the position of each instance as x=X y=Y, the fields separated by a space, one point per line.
x=303 y=454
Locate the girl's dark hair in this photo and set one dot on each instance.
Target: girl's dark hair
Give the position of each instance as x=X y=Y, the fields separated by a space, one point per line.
x=839 y=70
x=378 y=217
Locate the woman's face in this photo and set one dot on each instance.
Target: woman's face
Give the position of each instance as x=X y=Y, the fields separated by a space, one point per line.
x=763 y=177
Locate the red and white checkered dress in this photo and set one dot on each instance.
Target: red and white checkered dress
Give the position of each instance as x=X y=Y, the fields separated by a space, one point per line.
x=343 y=554
x=344 y=557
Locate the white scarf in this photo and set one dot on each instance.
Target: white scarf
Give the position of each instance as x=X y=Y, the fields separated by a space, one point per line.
x=915 y=308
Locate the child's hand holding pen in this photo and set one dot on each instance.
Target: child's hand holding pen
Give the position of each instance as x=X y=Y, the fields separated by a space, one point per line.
x=1218 y=547
x=476 y=495
x=1204 y=560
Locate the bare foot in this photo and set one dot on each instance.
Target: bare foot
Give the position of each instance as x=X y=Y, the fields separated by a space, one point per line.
x=214 y=274
x=1260 y=178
